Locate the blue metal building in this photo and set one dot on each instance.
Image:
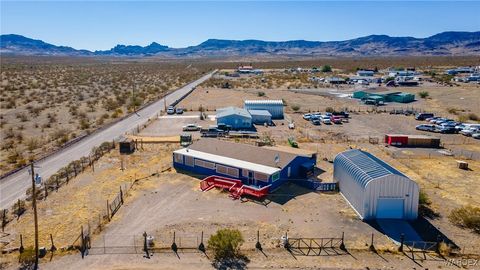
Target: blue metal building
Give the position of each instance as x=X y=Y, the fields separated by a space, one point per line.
x=254 y=166
x=237 y=118
x=374 y=189
x=274 y=107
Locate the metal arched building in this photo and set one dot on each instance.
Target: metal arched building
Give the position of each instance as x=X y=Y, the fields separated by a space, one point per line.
x=374 y=189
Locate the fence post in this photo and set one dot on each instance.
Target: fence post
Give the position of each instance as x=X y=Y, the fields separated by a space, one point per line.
x=53 y=247
x=4 y=219
x=145 y=246
x=174 y=245
x=21 y=249
x=258 y=245
x=342 y=244
x=201 y=247
x=402 y=239
x=372 y=247
x=82 y=244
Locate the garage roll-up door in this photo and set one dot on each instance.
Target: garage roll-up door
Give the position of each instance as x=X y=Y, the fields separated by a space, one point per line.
x=390 y=208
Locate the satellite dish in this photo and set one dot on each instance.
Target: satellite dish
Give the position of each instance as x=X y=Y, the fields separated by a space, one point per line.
x=276 y=159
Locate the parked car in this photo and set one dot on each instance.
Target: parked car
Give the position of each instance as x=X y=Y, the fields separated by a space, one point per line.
x=423 y=116
x=307 y=116
x=179 y=111
x=461 y=126
x=343 y=114
x=434 y=119
x=336 y=119
x=430 y=119
x=326 y=120
x=191 y=127
x=316 y=121
x=445 y=129
x=223 y=127
x=476 y=136
x=425 y=127
x=469 y=131
x=171 y=110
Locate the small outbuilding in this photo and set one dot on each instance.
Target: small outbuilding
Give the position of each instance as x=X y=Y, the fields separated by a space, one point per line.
x=374 y=189
x=261 y=117
x=274 y=107
x=237 y=118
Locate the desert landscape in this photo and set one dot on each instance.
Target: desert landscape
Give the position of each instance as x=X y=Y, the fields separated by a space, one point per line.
x=116 y=197
x=48 y=102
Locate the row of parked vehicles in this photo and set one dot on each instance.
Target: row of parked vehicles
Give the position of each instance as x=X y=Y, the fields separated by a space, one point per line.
x=212 y=131
x=173 y=110
x=447 y=126
x=326 y=118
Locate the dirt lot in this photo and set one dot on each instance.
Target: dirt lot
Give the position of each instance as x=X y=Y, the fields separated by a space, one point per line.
x=171 y=125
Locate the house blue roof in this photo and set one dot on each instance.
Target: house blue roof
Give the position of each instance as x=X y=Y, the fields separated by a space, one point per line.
x=364 y=167
x=232 y=111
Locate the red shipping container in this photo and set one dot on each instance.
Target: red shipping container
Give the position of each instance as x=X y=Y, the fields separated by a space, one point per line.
x=396 y=140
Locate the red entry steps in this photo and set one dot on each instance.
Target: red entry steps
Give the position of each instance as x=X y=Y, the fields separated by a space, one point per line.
x=236 y=188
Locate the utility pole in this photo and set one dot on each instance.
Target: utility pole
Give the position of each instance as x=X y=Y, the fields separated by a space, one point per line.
x=35 y=219
x=133 y=95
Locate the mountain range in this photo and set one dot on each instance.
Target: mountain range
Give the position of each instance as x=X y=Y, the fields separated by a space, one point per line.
x=446 y=43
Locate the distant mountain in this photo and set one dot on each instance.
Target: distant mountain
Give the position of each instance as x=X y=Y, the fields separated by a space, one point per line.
x=132 y=50
x=446 y=43
x=16 y=44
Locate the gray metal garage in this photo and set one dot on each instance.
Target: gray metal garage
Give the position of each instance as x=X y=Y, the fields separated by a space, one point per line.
x=374 y=189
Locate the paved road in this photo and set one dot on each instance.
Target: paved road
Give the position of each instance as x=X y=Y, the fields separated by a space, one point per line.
x=14 y=186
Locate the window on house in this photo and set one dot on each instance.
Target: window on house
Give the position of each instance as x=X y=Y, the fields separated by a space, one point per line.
x=275 y=176
x=227 y=171
x=205 y=164
x=261 y=177
x=189 y=161
x=178 y=158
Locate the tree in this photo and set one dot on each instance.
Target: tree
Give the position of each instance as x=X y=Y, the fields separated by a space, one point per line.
x=225 y=244
x=423 y=94
x=326 y=68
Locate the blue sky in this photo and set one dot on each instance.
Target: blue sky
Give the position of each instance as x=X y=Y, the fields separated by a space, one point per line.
x=101 y=25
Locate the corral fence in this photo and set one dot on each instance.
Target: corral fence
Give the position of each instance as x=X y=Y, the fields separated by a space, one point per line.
x=422 y=250
x=316 y=246
x=184 y=242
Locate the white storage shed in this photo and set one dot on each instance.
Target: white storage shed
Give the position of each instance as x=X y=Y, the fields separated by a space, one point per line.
x=374 y=189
